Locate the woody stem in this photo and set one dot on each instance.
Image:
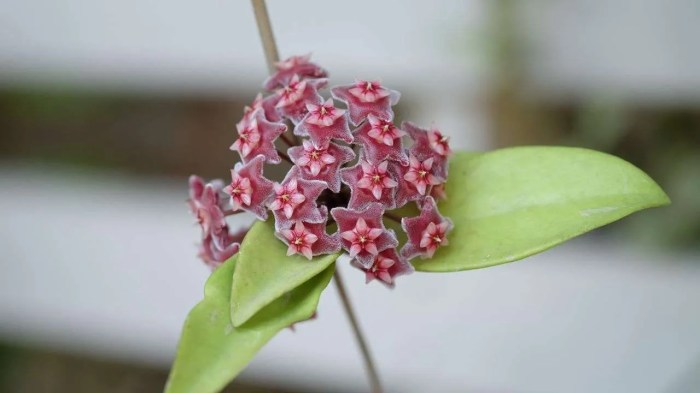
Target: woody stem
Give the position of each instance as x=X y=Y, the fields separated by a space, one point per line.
x=366 y=355
x=285 y=157
x=287 y=141
x=266 y=36
x=271 y=56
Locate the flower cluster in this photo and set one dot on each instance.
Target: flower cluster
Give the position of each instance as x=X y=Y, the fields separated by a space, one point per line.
x=350 y=167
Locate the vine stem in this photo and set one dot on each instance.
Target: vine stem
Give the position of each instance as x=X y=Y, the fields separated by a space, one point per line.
x=262 y=18
x=285 y=157
x=272 y=56
x=286 y=140
x=228 y=213
x=364 y=348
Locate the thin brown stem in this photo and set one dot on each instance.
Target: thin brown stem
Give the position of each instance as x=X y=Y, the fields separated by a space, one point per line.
x=265 y=29
x=286 y=140
x=369 y=364
x=229 y=212
x=285 y=157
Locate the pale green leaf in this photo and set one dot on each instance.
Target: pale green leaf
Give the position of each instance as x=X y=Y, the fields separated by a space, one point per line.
x=509 y=204
x=212 y=352
x=265 y=272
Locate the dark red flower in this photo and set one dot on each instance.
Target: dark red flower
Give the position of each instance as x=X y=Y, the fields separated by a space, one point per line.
x=310 y=239
x=426 y=232
x=324 y=122
x=215 y=250
x=295 y=65
x=384 y=131
x=420 y=174
x=363 y=233
x=370 y=183
x=377 y=150
x=366 y=98
x=295 y=96
x=249 y=189
x=429 y=144
x=206 y=205
x=295 y=200
x=257 y=137
x=405 y=191
x=386 y=176
x=385 y=267
x=321 y=163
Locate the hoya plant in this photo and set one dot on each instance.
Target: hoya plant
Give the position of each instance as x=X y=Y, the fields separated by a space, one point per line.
x=393 y=196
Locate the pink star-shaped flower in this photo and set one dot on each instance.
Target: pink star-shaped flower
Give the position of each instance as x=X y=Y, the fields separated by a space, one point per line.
x=324 y=114
x=369 y=183
x=295 y=65
x=420 y=174
x=249 y=189
x=323 y=123
x=218 y=244
x=377 y=151
x=426 y=232
x=363 y=233
x=367 y=98
x=196 y=190
x=258 y=138
x=384 y=131
x=293 y=98
x=267 y=105
x=361 y=238
x=287 y=198
x=206 y=205
x=429 y=144
x=321 y=163
x=216 y=249
x=299 y=239
x=386 y=265
x=405 y=191
x=295 y=200
x=248 y=137
x=239 y=190
x=313 y=158
x=310 y=239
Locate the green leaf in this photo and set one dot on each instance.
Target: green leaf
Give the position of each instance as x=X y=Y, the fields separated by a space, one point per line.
x=509 y=204
x=265 y=272
x=212 y=352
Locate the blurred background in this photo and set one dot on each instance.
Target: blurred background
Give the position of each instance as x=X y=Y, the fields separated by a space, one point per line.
x=106 y=108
